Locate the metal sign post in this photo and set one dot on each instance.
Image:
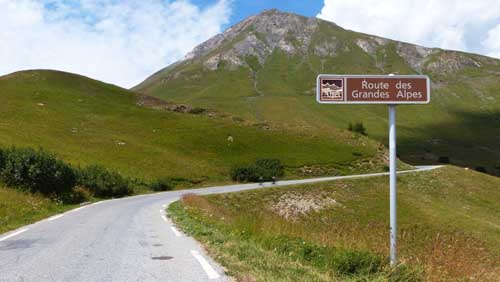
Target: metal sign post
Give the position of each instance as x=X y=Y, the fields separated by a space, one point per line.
x=392 y=184
x=378 y=89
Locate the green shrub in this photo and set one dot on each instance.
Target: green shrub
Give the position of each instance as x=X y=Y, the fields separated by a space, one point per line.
x=237 y=119
x=358 y=127
x=403 y=273
x=197 y=110
x=269 y=168
x=357 y=153
x=444 y=160
x=76 y=196
x=104 y=183
x=481 y=169
x=36 y=171
x=265 y=168
x=2 y=159
x=163 y=184
x=245 y=173
x=350 y=262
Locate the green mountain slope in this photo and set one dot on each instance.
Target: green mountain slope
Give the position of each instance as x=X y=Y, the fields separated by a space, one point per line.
x=87 y=122
x=264 y=68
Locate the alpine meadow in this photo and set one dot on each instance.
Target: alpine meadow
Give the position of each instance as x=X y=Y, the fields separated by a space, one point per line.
x=264 y=68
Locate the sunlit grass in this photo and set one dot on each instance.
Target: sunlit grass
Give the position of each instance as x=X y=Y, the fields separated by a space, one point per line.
x=18 y=208
x=449 y=226
x=87 y=122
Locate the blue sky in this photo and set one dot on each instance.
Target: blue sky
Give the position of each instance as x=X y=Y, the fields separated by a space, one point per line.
x=242 y=9
x=124 y=41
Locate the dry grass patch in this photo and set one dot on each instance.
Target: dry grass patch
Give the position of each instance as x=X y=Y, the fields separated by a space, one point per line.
x=448 y=223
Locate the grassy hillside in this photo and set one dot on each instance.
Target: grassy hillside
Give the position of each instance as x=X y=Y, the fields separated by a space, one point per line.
x=448 y=219
x=89 y=122
x=278 y=88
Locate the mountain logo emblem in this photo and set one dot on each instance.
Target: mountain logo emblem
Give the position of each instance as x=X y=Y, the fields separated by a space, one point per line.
x=332 y=90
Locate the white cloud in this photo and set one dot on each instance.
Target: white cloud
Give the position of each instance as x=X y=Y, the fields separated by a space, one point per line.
x=492 y=42
x=449 y=24
x=120 y=42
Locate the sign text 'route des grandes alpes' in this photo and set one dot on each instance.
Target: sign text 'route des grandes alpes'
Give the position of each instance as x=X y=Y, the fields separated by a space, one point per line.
x=373 y=89
x=378 y=89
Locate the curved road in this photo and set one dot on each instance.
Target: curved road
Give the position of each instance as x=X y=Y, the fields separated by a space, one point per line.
x=127 y=239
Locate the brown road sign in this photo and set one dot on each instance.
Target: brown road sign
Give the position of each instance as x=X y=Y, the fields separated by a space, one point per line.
x=373 y=89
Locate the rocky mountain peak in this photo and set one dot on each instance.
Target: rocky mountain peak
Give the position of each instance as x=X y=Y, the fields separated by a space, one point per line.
x=261 y=35
x=258 y=36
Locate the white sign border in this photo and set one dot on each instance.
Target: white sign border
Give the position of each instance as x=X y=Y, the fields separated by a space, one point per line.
x=373 y=102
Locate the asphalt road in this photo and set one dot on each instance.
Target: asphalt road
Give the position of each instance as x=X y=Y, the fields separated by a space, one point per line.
x=127 y=240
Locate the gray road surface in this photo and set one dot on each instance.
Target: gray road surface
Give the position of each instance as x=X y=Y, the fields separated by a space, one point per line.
x=127 y=240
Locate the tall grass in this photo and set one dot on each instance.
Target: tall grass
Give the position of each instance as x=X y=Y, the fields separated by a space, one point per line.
x=446 y=218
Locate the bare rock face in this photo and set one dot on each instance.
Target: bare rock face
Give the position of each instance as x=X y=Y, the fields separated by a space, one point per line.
x=369 y=46
x=414 y=55
x=212 y=63
x=450 y=62
x=327 y=48
x=257 y=37
x=251 y=45
x=260 y=35
x=288 y=32
x=206 y=47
